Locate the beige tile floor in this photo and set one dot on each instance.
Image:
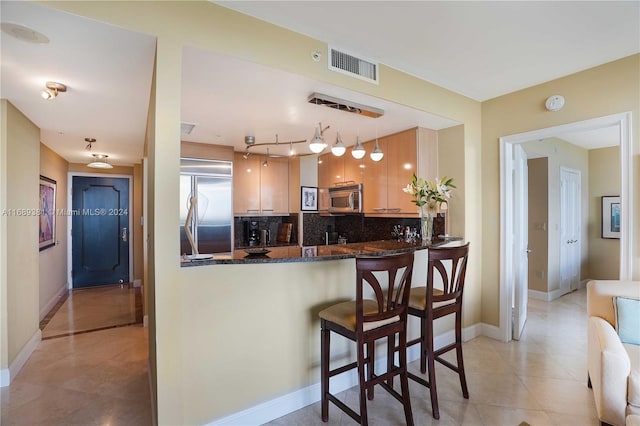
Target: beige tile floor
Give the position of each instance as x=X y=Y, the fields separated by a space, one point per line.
x=88 y=378
x=95 y=308
x=540 y=380
x=100 y=378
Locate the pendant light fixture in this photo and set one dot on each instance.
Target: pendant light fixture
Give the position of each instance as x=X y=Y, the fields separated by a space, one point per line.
x=376 y=154
x=338 y=149
x=317 y=144
x=358 y=151
x=100 y=162
x=266 y=159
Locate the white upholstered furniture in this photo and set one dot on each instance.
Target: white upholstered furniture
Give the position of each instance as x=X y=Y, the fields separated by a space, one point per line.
x=614 y=367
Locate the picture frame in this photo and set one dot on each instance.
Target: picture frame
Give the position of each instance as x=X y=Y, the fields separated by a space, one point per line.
x=47 y=213
x=611 y=217
x=310 y=251
x=308 y=198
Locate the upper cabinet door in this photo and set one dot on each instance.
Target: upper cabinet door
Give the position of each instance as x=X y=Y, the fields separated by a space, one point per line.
x=274 y=186
x=402 y=155
x=374 y=182
x=246 y=185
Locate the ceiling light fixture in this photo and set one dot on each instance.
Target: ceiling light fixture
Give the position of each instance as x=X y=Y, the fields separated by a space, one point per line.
x=52 y=89
x=250 y=142
x=100 y=162
x=338 y=149
x=317 y=144
x=90 y=142
x=358 y=151
x=266 y=162
x=376 y=154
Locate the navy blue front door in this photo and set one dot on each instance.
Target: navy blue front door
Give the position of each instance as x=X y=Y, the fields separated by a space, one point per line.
x=100 y=231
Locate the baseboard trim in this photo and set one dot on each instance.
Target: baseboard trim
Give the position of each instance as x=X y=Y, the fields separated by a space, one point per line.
x=54 y=300
x=492 y=332
x=545 y=296
x=281 y=406
x=6 y=375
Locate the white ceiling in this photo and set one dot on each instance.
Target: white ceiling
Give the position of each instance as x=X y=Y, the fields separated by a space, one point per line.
x=479 y=49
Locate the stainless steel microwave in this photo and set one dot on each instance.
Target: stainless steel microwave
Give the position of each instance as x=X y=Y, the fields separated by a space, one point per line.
x=345 y=199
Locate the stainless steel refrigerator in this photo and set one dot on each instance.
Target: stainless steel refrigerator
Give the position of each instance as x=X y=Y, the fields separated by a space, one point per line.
x=209 y=182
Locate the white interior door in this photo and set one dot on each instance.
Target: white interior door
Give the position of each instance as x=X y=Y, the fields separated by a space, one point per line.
x=569 y=229
x=520 y=240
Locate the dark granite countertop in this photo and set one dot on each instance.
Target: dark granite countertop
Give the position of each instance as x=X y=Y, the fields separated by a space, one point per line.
x=316 y=253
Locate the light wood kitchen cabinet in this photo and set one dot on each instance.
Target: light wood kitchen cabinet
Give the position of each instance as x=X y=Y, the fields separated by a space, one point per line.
x=402 y=156
x=374 y=182
x=259 y=190
x=384 y=180
x=336 y=171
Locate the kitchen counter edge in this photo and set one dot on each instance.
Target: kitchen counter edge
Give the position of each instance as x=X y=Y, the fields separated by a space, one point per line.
x=290 y=254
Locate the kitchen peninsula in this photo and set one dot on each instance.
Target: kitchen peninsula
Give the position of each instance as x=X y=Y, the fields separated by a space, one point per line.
x=317 y=253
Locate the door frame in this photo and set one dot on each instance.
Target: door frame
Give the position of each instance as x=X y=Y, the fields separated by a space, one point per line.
x=70 y=177
x=623 y=121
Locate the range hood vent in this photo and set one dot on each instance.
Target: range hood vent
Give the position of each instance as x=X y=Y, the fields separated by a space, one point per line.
x=353 y=66
x=342 y=105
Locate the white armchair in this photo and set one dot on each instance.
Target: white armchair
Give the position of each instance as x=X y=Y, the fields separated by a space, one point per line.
x=614 y=367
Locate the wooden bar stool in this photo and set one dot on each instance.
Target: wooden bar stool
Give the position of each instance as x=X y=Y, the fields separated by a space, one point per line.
x=430 y=303
x=366 y=320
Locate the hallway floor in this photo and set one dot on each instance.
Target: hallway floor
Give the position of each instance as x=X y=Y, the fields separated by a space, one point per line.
x=90 y=368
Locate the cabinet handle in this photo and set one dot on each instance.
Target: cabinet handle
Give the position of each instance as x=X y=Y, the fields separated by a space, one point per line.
x=378 y=209
x=394 y=210
x=253 y=210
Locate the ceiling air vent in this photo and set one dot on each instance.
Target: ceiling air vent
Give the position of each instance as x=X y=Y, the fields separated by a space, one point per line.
x=353 y=66
x=186 y=128
x=342 y=105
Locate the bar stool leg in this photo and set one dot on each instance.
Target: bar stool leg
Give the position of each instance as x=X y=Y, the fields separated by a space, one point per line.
x=371 y=347
x=423 y=345
x=404 y=379
x=325 y=338
x=363 y=385
x=463 y=379
x=432 y=373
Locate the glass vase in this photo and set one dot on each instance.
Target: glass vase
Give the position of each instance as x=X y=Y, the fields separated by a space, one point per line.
x=426 y=225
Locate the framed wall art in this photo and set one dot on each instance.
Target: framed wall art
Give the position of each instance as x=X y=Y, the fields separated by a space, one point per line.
x=611 y=217
x=47 y=213
x=309 y=198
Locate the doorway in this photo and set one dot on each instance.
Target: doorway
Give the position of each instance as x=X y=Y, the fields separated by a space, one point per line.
x=100 y=250
x=508 y=264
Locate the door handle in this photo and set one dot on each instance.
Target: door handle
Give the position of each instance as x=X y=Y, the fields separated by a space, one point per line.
x=124 y=234
x=529 y=250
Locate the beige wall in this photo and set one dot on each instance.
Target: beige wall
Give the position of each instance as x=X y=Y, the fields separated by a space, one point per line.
x=451 y=164
x=53 y=260
x=538 y=223
x=22 y=189
x=604 y=179
x=522 y=111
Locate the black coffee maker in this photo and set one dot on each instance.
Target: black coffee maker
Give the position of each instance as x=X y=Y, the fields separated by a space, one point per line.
x=251 y=232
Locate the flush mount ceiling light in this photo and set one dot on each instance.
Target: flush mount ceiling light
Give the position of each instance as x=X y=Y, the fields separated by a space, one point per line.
x=90 y=142
x=358 y=151
x=338 y=149
x=24 y=33
x=100 y=162
x=52 y=89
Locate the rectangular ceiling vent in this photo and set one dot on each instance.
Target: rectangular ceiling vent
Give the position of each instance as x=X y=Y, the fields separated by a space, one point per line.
x=342 y=105
x=353 y=66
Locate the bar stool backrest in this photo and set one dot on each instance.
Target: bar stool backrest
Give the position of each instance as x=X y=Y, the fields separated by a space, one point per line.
x=392 y=301
x=450 y=263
